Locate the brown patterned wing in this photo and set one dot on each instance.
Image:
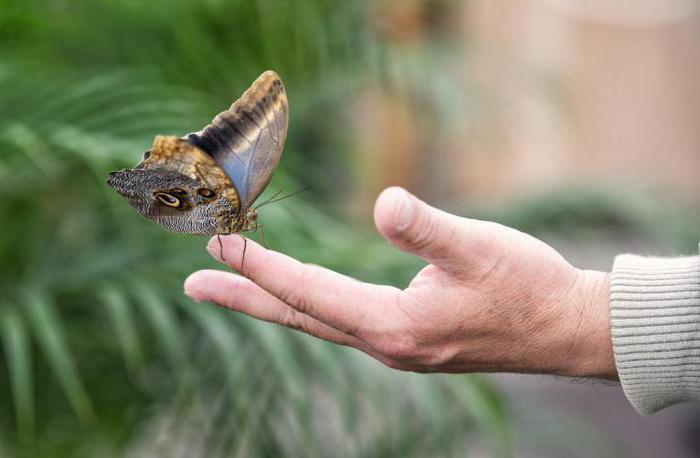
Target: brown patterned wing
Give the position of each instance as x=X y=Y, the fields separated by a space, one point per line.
x=246 y=140
x=176 y=154
x=182 y=188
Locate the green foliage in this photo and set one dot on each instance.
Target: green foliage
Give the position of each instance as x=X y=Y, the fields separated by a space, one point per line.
x=605 y=212
x=102 y=355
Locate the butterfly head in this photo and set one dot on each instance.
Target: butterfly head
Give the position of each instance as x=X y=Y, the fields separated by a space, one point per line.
x=175 y=201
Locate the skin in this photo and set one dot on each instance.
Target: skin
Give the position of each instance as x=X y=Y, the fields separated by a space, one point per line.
x=493 y=299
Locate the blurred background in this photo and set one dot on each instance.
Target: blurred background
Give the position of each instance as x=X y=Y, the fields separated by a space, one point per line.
x=576 y=121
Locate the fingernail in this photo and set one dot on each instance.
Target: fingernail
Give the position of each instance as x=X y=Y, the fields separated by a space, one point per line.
x=404 y=217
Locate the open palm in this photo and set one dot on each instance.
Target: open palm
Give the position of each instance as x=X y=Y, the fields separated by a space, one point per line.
x=492 y=298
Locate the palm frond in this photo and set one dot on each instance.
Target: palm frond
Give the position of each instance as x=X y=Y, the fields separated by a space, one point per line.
x=121 y=315
x=94 y=301
x=48 y=330
x=19 y=367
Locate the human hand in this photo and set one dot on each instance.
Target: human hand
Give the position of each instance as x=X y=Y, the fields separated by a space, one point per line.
x=493 y=299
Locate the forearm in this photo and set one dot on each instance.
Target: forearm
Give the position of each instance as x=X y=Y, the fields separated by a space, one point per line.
x=655 y=322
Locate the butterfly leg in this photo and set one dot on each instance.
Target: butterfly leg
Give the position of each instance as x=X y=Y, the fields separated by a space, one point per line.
x=262 y=234
x=221 y=247
x=245 y=246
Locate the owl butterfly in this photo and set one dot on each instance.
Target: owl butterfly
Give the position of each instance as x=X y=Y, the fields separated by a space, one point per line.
x=206 y=182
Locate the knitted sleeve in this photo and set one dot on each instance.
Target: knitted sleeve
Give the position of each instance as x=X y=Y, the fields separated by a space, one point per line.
x=655 y=319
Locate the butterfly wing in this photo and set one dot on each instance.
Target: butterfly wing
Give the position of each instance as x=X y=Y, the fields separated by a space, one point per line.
x=178 y=155
x=246 y=140
x=180 y=187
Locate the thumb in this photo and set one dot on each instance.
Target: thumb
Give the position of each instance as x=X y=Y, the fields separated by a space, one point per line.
x=448 y=241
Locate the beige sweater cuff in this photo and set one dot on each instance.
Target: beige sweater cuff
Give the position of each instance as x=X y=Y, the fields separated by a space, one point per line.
x=655 y=319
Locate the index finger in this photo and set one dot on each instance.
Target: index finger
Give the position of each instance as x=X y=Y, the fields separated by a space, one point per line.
x=339 y=301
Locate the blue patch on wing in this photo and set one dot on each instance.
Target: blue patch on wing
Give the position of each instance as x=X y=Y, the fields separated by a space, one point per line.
x=247 y=139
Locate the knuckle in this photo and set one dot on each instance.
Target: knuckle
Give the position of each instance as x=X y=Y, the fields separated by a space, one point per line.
x=437 y=358
x=360 y=325
x=423 y=359
x=297 y=296
x=422 y=234
x=293 y=319
x=409 y=348
x=402 y=347
x=353 y=329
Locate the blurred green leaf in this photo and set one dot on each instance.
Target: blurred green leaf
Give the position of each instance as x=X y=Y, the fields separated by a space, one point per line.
x=164 y=322
x=49 y=333
x=121 y=316
x=19 y=364
x=231 y=350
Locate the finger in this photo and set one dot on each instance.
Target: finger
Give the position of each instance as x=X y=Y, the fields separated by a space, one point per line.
x=242 y=295
x=448 y=241
x=341 y=302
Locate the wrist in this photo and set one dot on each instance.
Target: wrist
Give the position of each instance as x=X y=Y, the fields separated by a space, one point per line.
x=591 y=340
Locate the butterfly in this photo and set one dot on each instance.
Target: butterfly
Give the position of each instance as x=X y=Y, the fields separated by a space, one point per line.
x=206 y=182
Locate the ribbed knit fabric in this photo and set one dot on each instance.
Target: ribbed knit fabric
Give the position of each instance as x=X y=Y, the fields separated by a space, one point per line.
x=655 y=320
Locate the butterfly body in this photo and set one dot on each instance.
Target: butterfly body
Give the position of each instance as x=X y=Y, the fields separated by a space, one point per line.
x=206 y=182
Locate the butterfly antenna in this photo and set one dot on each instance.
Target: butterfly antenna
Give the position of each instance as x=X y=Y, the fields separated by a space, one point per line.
x=274 y=198
x=268 y=200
